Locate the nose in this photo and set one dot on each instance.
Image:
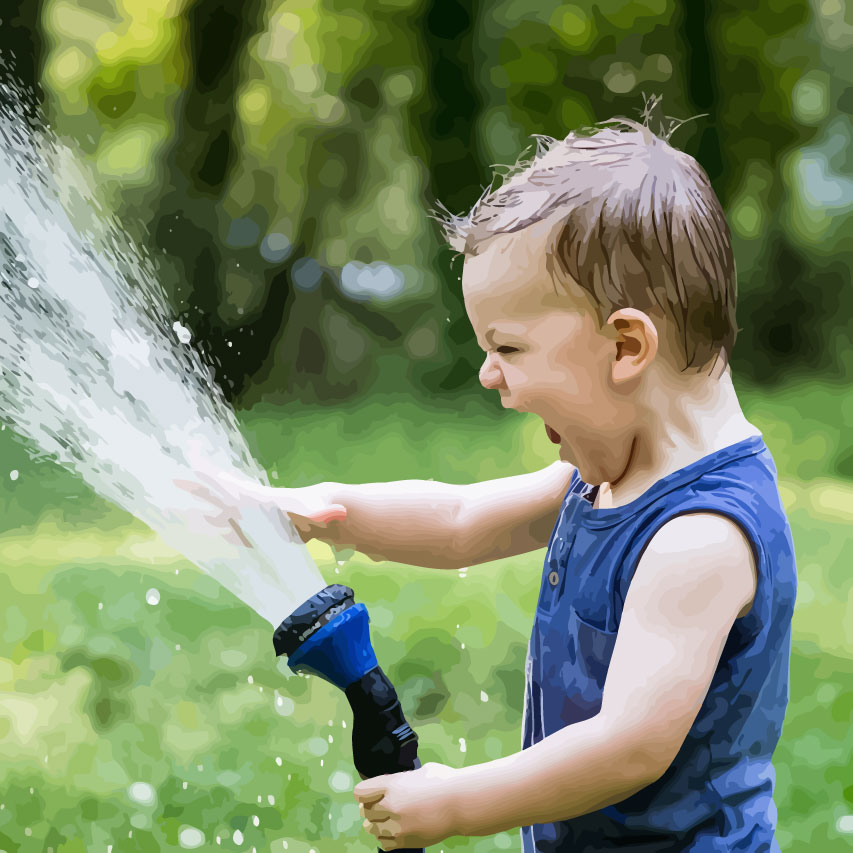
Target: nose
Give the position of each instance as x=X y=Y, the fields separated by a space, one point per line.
x=490 y=374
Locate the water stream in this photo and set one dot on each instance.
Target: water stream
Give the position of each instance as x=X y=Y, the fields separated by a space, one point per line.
x=96 y=373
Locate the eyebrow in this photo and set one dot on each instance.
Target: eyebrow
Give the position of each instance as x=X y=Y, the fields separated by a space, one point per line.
x=509 y=331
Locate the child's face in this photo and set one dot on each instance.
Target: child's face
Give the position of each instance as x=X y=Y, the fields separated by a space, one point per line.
x=544 y=351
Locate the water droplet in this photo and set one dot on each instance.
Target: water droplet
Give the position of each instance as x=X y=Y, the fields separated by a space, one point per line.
x=183 y=333
x=142 y=793
x=484 y=696
x=278 y=760
x=238 y=836
x=13 y=475
x=190 y=837
x=340 y=781
x=184 y=786
x=178 y=647
x=271 y=799
x=256 y=820
x=33 y=283
x=251 y=680
x=463 y=645
x=343 y=724
x=152 y=596
x=284 y=705
x=462 y=746
x=100 y=605
x=331 y=739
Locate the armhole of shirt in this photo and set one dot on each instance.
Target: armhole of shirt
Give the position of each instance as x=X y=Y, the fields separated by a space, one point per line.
x=764 y=581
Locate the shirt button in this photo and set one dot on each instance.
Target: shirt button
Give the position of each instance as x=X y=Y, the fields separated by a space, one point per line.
x=554 y=578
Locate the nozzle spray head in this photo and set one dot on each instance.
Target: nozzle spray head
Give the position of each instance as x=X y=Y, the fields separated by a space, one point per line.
x=328 y=636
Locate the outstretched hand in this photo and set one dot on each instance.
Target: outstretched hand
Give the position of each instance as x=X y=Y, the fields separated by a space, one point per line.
x=414 y=808
x=226 y=492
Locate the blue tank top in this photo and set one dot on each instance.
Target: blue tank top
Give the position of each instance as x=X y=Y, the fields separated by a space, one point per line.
x=717 y=795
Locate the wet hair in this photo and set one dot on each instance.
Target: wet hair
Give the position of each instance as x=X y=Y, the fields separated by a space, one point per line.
x=637 y=225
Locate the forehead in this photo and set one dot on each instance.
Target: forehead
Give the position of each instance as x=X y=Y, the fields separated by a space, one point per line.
x=509 y=277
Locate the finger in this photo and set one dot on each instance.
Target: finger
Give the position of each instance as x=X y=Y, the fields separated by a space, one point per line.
x=379 y=830
x=239 y=533
x=333 y=512
x=377 y=813
x=368 y=794
x=243 y=484
x=200 y=491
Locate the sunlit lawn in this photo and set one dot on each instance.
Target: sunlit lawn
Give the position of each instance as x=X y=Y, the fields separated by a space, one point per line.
x=100 y=690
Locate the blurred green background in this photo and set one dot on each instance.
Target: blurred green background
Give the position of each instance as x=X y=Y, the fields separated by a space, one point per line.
x=279 y=160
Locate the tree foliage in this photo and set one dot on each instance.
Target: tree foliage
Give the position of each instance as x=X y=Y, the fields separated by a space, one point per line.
x=283 y=156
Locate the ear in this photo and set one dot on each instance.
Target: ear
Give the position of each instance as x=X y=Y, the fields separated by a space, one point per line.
x=636 y=343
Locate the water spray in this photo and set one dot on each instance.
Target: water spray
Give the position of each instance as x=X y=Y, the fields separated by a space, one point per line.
x=96 y=375
x=328 y=636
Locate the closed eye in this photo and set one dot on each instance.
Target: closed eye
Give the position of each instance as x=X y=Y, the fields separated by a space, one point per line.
x=506 y=350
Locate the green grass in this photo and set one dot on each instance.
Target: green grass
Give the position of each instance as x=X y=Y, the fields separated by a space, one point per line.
x=114 y=691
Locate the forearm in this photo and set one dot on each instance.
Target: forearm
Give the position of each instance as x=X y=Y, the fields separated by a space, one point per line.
x=579 y=769
x=409 y=521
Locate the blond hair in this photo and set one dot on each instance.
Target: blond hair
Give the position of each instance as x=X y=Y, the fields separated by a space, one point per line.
x=638 y=226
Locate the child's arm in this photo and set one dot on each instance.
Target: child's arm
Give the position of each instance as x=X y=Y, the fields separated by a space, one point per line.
x=695 y=578
x=438 y=525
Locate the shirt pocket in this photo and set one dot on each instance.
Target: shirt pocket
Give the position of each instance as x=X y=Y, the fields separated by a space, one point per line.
x=593 y=648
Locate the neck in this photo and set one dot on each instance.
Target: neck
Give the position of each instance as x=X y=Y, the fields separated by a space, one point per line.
x=677 y=425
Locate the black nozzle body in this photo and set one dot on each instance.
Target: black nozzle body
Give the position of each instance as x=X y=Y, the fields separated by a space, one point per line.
x=382 y=740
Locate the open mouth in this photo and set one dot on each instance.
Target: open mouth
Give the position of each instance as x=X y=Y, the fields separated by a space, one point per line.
x=553 y=434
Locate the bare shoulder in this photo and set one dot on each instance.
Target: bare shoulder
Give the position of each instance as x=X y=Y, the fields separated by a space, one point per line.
x=709 y=544
x=695 y=578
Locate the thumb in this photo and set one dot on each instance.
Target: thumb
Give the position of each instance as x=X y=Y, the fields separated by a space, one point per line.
x=370 y=791
x=332 y=512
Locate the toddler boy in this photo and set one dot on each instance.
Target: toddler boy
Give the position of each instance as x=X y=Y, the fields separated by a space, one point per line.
x=600 y=284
